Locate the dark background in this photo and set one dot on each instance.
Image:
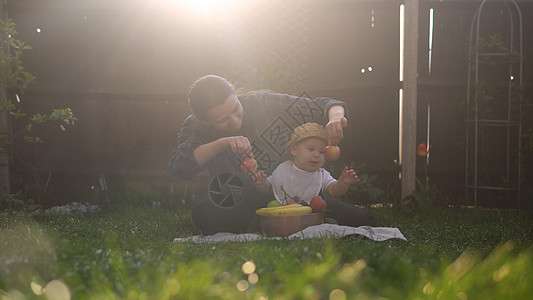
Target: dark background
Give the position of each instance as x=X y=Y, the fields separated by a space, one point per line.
x=124 y=67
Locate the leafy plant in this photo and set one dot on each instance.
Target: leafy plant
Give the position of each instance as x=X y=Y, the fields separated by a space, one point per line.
x=494 y=56
x=16 y=80
x=12 y=74
x=426 y=193
x=494 y=44
x=17 y=201
x=364 y=189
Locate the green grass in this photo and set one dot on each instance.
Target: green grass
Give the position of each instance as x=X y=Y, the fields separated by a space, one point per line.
x=127 y=253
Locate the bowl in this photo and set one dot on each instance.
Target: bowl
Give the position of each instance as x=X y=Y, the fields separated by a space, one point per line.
x=287 y=225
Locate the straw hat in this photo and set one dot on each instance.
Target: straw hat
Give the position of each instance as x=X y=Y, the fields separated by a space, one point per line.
x=305 y=131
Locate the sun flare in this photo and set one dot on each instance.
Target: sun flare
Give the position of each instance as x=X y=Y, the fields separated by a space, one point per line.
x=206 y=6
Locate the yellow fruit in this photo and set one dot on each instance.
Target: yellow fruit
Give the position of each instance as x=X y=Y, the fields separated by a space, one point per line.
x=271 y=209
x=294 y=211
x=287 y=210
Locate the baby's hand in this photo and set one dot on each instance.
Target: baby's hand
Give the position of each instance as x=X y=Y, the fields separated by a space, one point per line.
x=261 y=183
x=259 y=178
x=348 y=176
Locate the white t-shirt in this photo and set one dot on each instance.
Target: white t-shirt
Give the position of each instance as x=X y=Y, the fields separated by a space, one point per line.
x=297 y=182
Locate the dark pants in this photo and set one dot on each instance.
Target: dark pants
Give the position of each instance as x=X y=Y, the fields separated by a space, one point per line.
x=348 y=214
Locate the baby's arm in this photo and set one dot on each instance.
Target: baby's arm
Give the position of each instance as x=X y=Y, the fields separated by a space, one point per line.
x=339 y=187
x=262 y=184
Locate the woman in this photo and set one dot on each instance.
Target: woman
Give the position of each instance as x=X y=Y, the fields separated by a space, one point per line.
x=257 y=125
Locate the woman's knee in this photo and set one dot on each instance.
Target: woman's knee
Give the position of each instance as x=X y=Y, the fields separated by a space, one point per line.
x=200 y=220
x=211 y=219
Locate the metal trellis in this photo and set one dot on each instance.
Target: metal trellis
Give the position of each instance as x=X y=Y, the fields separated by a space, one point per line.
x=488 y=56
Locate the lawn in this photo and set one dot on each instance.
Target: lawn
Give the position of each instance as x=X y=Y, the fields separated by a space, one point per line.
x=126 y=252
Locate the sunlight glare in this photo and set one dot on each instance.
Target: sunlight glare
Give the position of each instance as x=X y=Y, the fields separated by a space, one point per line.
x=400 y=128
x=402 y=42
x=430 y=45
x=206 y=6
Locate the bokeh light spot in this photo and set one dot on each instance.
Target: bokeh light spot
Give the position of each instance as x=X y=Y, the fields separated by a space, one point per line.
x=462 y=296
x=253 y=278
x=428 y=289
x=248 y=267
x=172 y=286
x=337 y=294
x=57 y=290
x=461 y=265
x=36 y=288
x=360 y=264
x=502 y=272
x=242 y=285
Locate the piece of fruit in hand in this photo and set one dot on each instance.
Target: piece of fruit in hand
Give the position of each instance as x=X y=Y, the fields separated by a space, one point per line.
x=249 y=166
x=332 y=152
x=318 y=204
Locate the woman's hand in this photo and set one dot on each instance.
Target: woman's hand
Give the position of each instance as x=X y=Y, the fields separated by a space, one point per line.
x=348 y=176
x=337 y=121
x=240 y=145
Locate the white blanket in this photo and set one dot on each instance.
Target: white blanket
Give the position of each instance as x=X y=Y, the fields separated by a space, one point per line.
x=378 y=234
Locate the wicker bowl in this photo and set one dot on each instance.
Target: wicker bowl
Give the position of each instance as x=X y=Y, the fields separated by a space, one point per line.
x=287 y=225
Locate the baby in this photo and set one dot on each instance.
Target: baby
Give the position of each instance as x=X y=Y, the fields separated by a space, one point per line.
x=303 y=177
